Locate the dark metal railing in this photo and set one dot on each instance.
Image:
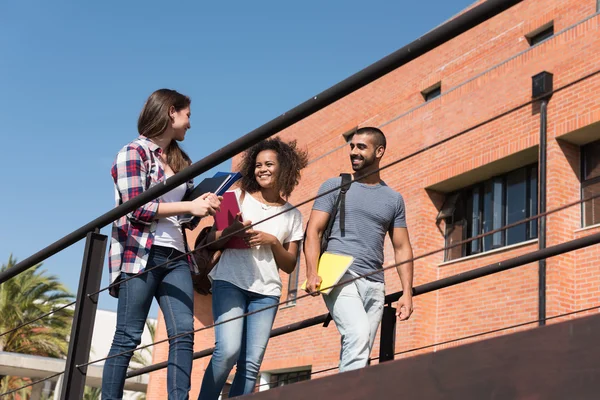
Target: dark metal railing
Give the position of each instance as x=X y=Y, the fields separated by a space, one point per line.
x=388 y=334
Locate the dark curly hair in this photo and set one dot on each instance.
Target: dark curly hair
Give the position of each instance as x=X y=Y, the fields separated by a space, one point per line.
x=291 y=161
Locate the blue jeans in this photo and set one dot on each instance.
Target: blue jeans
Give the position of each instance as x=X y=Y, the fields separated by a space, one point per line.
x=243 y=340
x=172 y=287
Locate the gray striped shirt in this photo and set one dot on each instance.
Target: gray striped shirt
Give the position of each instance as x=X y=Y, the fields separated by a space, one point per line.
x=371 y=211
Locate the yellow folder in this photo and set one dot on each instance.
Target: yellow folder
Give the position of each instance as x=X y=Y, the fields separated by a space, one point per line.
x=331 y=268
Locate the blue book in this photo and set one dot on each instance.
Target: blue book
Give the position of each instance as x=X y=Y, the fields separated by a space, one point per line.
x=233 y=177
x=218 y=184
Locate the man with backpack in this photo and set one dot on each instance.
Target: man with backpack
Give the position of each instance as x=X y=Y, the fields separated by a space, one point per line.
x=361 y=214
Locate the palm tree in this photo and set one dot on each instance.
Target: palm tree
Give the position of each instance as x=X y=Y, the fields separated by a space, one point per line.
x=13 y=382
x=25 y=297
x=91 y=393
x=143 y=358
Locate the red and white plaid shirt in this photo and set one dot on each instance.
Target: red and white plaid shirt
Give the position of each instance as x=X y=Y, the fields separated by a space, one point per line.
x=136 y=168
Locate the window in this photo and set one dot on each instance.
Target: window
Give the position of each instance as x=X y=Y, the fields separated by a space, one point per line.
x=286 y=378
x=590 y=182
x=541 y=34
x=490 y=205
x=432 y=92
x=293 y=282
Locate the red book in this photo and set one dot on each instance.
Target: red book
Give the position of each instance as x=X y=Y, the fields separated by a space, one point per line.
x=230 y=208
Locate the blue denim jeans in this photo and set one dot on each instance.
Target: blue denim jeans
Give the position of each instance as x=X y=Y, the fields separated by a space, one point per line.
x=171 y=285
x=243 y=340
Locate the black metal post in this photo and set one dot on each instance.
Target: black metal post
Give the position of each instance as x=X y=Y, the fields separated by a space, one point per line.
x=542 y=86
x=85 y=312
x=542 y=199
x=387 y=341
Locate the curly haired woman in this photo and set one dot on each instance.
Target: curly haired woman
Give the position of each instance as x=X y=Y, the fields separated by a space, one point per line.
x=247 y=280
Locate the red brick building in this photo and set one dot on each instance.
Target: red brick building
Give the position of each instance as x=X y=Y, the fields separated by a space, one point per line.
x=488 y=175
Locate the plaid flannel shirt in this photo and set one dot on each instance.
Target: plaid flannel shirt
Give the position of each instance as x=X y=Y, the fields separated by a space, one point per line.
x=136 y=168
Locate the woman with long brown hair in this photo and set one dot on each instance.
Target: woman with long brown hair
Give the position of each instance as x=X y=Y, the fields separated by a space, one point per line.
x=151 y=238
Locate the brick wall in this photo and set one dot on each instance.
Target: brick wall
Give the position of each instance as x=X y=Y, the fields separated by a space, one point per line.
x=484 y=72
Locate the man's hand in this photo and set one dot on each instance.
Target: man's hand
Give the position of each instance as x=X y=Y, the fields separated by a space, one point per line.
x=313 y=283
x=405 y=307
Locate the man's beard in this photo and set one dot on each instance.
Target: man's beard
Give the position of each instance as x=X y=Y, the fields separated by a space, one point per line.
x=365 y=163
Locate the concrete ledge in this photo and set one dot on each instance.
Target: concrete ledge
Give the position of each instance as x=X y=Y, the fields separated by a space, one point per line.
x=37 y=367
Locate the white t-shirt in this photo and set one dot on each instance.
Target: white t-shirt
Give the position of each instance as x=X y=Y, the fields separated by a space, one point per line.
x=255 y=269
x=168 y=230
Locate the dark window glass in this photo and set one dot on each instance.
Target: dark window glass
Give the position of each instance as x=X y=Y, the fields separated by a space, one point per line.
x=474 y=213
x=437 y=92
x=591 y=208
x=516 y=205
x=456 y=229
x=287 y=378
x=541 y=36
x=489 y=206
x=590 y=183
x=533 y=201
x=493 y=198
x=591 y=164
x=432 y=92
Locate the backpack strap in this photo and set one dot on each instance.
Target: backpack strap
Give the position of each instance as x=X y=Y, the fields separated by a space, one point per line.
x=346 y=181
x=340 y=203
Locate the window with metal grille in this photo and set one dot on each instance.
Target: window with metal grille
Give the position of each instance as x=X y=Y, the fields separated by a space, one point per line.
x=590 y=183
x=286 y=378
x=488 y=206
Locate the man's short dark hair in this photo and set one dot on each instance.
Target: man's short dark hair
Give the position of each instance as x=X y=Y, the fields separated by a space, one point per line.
x=376 y=133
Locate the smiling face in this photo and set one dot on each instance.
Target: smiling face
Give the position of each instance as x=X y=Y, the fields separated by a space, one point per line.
x=364 y=152
x=266 y=169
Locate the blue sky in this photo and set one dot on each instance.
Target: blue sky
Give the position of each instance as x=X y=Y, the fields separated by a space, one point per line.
x=74 y=76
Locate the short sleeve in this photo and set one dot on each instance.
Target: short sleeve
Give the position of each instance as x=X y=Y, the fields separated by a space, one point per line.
x=326 y=202
x=400 y=217
x=297 y=233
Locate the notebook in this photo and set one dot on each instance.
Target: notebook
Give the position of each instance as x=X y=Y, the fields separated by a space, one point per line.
x=331 y=268
x=229 y=211
x=218 y=184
